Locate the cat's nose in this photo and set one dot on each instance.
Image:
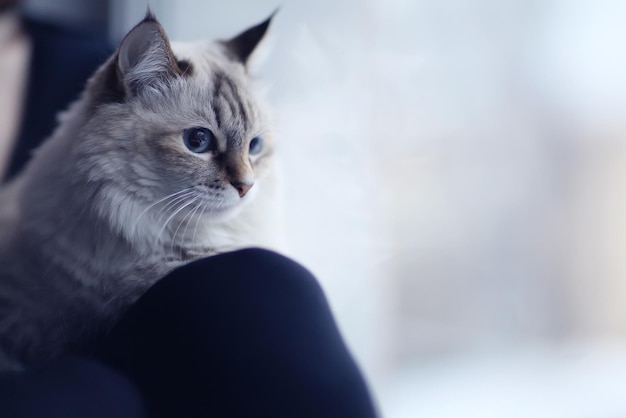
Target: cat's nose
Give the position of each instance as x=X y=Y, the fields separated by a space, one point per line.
x=242 y=186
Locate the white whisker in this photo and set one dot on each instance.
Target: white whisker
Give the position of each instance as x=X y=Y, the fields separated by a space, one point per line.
x=195 y=213
x=176 y=212
x=172 y=204
x=195 y=230
x=143 y=212
x=186 y=222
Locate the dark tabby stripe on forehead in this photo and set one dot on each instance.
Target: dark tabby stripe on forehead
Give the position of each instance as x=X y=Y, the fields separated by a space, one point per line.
x=225 y=90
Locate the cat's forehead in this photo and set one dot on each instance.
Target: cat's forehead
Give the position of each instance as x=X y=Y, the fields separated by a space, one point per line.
x=206 y=59
x=222 y=83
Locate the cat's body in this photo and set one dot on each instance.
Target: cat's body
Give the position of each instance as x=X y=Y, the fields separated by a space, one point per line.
x=151 y=168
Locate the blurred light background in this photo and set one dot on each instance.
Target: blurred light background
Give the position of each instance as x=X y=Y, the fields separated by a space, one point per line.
x=455 y=175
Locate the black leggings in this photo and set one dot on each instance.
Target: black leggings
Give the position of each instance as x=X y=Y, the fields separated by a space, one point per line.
x=242 y=334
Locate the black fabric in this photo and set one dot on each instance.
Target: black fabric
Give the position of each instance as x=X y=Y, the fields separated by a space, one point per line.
x=61 y=62
x=69 y=388
x=242 y=334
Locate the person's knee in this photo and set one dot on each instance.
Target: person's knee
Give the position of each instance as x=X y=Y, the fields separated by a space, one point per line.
x=71 y=387
x=249 y=267
x=236 y=283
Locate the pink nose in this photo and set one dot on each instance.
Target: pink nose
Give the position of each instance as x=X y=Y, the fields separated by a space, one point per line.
x=242 y=186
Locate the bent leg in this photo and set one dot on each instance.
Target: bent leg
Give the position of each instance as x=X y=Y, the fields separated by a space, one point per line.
x=68 y=388
x=242 y=334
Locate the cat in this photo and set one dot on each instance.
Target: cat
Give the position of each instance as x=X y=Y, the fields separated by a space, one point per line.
x=165 y=158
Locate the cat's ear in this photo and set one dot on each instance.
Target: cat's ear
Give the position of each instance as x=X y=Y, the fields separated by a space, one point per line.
x=145 y=57
x=241 y=47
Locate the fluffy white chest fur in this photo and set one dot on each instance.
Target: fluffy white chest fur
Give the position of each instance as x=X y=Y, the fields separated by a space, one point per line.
x=166 y=157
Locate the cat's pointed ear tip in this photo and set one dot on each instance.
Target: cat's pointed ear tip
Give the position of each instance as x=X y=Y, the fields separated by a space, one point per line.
x=270 y=18
x=264 y=25
x=150 y=16
x=241 y=46
x=275 y=12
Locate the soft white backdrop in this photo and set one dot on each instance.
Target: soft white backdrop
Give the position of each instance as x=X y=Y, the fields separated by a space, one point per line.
x=455 y=175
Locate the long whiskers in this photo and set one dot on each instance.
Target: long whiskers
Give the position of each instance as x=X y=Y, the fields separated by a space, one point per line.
x=172 y=205
x=170 y=196
x=182 y=206
x=195 y=229
x=185 y=221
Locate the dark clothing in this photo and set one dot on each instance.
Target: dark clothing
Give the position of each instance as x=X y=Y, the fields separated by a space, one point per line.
x=69 y=388
x=242 y=334
x=61 y=62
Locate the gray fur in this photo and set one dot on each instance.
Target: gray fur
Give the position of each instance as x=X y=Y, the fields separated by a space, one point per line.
x=88 y=226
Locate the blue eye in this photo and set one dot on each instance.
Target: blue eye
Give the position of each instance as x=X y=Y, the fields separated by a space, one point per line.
x=199 y=140
x=256 y=145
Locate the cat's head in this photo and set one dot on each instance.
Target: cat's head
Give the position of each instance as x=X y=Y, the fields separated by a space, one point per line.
x=176 y=126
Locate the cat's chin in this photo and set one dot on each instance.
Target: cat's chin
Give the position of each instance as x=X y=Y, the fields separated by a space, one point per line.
x=224 y=212
x=227 y=210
